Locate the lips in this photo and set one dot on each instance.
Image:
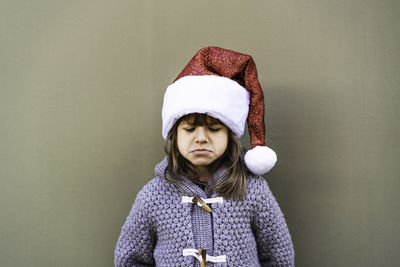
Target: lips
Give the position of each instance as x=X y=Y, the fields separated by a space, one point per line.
x=200 y=151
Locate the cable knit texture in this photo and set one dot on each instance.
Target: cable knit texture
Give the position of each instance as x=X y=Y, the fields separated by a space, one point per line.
x=252 y=232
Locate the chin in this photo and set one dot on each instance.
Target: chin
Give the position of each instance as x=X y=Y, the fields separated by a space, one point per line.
x=201 y=163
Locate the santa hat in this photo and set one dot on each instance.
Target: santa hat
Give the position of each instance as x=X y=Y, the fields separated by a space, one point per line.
x=223 y=84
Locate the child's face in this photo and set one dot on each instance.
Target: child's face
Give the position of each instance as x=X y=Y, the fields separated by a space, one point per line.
x=202 y=145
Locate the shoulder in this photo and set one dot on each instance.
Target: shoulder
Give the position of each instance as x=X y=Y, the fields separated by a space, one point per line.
x=259 y=193
x=153 y=188
x=158 y=191
x=257 y=185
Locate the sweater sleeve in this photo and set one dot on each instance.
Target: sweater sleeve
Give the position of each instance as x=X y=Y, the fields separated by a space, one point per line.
x=274 y=244
x=137 y=239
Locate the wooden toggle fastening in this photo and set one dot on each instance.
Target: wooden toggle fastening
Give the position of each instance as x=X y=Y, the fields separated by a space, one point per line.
x=202 y=203
x=203 y=254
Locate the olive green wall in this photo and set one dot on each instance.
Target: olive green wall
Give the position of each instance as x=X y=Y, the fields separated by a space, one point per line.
x=80 y=129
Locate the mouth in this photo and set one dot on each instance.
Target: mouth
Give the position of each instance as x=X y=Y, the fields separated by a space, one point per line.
x=200 y=151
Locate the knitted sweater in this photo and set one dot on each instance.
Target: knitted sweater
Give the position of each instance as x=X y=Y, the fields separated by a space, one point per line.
x=164 y=227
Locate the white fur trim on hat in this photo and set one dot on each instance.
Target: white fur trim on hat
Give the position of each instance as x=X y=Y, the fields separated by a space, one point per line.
x=260 y=159
x=217 y=96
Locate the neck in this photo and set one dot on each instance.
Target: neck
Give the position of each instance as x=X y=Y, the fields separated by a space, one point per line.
x=204 y=173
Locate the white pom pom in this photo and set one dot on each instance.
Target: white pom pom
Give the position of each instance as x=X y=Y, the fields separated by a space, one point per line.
x=260 y=159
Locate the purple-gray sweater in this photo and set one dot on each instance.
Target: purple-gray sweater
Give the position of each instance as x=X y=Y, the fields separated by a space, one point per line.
x=164 y=230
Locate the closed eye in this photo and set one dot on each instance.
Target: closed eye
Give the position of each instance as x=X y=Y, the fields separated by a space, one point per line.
x=189 y=130
x=212 y=129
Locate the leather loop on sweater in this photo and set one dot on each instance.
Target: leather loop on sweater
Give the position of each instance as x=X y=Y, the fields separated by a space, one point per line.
x=195 y=253
x=202 y=202
x=206 y=200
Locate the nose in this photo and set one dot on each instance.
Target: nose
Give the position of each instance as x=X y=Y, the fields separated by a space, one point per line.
x=201 y=135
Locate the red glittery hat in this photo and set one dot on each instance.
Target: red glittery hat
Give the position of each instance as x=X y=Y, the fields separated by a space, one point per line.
x=224 y=84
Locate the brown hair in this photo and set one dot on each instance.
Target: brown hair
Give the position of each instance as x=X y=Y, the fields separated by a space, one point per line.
x=233 y=185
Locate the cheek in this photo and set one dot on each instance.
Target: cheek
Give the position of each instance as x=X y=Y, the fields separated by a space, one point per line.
x=223 y=143
x=226 y=143
x=181 y=141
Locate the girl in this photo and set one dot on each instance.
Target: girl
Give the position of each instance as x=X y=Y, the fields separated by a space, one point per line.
x=207 y=205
